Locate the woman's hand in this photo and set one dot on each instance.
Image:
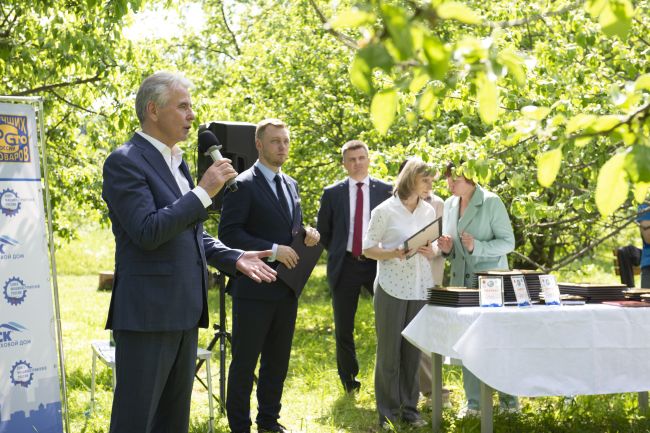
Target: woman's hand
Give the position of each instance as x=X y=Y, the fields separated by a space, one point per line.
x=468 y=241
x=426 y=251
x=445 y=243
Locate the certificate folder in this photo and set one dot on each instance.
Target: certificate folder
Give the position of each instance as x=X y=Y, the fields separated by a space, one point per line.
x=428 y=233
x=297 y=277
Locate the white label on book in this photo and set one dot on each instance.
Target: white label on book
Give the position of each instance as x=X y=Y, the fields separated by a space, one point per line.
x=550 y=289
x=521 y=292
x=490 y=291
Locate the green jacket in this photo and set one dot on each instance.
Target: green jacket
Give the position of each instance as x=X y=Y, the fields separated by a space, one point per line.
x=487 y=220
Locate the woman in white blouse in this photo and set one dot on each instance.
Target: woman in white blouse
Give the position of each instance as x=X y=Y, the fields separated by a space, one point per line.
x=400 y=291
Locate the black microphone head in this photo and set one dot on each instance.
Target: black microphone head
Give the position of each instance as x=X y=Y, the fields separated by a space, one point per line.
x=207 y=139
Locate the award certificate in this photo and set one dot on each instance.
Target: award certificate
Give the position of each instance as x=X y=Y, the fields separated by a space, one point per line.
x=550 y=289
x=521 y=292
x=490 y=291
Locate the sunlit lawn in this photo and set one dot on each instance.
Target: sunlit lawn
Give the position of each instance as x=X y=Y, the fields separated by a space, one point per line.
x=313 y=399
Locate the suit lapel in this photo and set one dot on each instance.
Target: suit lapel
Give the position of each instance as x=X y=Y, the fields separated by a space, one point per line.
x=474 y=204
x=156 y=160
x=186 y=172
x=270 y=195
x=345 y=195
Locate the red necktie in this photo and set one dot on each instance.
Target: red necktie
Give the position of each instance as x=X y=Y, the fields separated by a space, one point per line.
x=357 y=234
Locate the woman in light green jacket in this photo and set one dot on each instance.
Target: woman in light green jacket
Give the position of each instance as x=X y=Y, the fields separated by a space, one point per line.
x=477 y=235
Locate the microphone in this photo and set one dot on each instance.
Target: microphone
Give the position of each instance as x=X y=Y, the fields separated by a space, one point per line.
x=209 y=146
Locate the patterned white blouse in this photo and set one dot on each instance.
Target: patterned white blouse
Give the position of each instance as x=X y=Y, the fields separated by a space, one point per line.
x=390 y=225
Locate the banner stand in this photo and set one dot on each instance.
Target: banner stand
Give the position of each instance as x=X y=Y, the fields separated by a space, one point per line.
x=37 y=104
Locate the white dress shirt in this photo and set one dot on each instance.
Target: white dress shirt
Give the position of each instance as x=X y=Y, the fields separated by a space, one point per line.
x=173 y=158
x=390 y=225
x=352 y=185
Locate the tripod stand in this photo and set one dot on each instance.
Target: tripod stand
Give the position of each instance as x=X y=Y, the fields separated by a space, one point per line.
x=220 y=335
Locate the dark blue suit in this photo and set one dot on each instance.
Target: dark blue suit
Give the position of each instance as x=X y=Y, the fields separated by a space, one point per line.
x=160 y=289
x=264 y=314
x=345 y=274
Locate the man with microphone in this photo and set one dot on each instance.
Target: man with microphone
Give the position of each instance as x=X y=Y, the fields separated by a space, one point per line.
x=264 y=213
x=159 y=296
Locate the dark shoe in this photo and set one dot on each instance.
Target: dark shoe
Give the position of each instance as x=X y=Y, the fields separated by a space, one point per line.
x=352 y=387
x=277 y=428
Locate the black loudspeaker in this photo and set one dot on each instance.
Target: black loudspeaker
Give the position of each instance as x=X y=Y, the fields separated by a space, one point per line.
x=237 y=144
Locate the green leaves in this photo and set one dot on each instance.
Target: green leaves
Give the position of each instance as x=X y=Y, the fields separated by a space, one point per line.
x=614 y=16
x=488 y=98
x=458 y=11
x=612 y=186
x=399 y=28
x=361 y=74
x=437 y=56
x=548 y=166
x=535 y=113
x=352 y=18
x=383 y=109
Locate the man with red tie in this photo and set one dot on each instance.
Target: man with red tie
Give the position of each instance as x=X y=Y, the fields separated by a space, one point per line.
x=342 y=223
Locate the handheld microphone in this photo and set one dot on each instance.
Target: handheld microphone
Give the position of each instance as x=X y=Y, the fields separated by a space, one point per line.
x=209 y=146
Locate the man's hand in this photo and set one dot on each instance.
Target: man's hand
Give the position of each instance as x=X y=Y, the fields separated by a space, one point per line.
x=287 y=256
x=216 y=176
x=445 y=243
x=250 y=264
x=312 y=237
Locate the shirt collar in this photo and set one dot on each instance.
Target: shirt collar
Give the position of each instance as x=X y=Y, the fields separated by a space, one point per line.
x=365 y=181
x=268 y=174
x=167 y=153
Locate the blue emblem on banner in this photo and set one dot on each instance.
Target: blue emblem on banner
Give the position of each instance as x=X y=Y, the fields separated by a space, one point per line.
x=15 y=291
x=14 y=139
x=22 y=374
x=9 y=202
x=6 y=241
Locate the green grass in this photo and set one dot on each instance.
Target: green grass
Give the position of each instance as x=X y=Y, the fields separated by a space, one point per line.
x=313 y=400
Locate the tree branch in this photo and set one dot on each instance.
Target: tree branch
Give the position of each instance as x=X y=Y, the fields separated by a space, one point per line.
x=232 y=34
x=567 y=260
x=348 y=41
x=536 y=17
x=531 y=261
x=49 y=87
x=75 y=105
x=641 y=112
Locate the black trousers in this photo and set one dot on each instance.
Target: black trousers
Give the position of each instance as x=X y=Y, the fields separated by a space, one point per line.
x=345 y=299
x=154 y=375
x=628 y=257
x=261 y=330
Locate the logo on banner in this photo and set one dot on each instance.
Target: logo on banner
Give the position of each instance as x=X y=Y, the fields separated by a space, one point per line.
x=15 y=290
x=9 y=202
x=6 y=245
x=22 y=374
x=10 y=335
x=14 y=139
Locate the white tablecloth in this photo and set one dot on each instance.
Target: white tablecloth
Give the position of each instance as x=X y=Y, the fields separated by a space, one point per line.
x=543 y=350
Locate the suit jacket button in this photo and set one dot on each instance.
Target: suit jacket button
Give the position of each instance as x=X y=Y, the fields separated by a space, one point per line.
x=466 y=275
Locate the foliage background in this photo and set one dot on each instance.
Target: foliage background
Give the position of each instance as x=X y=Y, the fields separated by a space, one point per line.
x=497 y=85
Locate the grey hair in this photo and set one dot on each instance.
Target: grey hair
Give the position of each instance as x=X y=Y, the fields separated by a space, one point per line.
x=156 y=88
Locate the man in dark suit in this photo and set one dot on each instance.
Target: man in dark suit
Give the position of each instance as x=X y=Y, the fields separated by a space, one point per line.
x=263 y=213
x=159 y=295
x=342 y=222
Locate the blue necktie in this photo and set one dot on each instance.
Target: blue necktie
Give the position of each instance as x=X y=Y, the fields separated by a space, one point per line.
x=281 y=196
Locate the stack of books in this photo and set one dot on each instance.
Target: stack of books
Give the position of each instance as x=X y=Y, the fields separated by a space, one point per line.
x=594 y=293
x=637 y=294
x=453 y=297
